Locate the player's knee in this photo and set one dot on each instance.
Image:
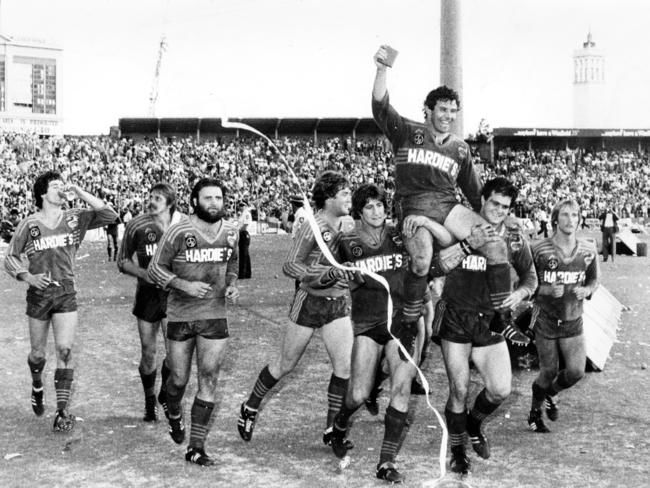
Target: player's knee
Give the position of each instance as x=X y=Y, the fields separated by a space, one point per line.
x=496 y=252
x=358 y=395
x=37 y=355
x=64 y=354
x=420 y=266
x=208 y=380
x=546 y=375
x=499 y=393
x=400 y=392
x=458 y=392
x=573 y=375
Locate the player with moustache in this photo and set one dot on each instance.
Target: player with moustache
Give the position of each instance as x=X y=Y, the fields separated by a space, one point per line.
x=431 y=163
x=49 y=239
x=319 y=303
x=141 y=238
x=197 y=261
x=463 y=317
x=568 y=273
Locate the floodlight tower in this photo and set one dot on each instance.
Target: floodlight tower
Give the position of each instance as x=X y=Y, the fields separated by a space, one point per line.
x=153 y=95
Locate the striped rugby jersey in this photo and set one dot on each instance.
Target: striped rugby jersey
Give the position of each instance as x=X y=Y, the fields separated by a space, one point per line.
x=53 y=250
x=141 y=237
x=578 y=269
x=466 y=285
x=421 y=165
x=388 y=259
x=307 y=263
x=185 y=253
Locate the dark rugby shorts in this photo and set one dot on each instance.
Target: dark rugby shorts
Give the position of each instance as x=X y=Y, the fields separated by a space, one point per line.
x=315 y=311
x=405 y=335
x=150 y=303
x=467 y=327
x=551 y=328
x=208 y=329
x=379 y=333
x=427 y=205
x=42 y=304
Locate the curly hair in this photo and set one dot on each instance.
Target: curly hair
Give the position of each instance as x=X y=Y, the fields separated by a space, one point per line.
x=41 y=185
x=365 y=193
x=441 y=93
x=327 y=185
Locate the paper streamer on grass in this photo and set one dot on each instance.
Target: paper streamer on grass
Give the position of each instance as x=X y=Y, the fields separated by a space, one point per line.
x=328 y=255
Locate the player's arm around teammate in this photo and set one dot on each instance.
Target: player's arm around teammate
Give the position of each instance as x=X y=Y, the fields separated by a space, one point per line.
x=197 y=260
x=319 y=303
x=50 y=238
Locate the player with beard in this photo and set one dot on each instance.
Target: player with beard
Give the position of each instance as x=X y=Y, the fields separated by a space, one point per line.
x=197 y=261
x=319 y=303
x=568 y=271
x=49 y=239
x=141 y=237
x=431 y=163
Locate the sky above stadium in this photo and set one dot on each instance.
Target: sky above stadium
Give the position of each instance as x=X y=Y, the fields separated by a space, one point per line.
x=310 y=58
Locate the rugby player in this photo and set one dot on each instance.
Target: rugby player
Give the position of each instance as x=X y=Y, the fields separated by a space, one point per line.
x=141 y=237
x=430 y=164
x=49 y=239
x=197 y=260
x=463 y=317
x=376 y=246
x=319 y=303
x=568 y=272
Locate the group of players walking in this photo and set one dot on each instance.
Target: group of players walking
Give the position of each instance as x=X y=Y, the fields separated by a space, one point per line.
x=186 y=269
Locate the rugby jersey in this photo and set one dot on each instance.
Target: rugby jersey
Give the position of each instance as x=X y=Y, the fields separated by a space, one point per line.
x=141 y=237
x=185 y=253
x=578 y=269
x=423 y=166
x=53 y=250
x=307 y=263
x=466 y=285
x=388 y=258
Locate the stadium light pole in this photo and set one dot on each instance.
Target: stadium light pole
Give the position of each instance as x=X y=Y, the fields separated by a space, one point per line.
x=451 y=66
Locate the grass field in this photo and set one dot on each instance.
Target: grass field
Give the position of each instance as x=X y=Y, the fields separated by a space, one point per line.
x=600 y=440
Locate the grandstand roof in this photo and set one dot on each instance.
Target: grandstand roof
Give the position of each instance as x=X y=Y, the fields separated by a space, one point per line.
x=268 y=126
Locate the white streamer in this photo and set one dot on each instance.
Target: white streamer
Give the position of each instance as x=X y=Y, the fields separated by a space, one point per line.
x=328 y=255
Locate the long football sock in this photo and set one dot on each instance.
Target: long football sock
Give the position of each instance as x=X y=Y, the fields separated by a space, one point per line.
x=265 y=382
x=201 y=415
x=394 y=423
x=63 y=386
x=335 y=394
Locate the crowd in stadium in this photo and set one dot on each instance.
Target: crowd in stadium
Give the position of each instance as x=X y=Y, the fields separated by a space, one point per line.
x=122 y=170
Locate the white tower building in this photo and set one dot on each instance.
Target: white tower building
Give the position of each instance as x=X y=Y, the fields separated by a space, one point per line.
x=589 y=105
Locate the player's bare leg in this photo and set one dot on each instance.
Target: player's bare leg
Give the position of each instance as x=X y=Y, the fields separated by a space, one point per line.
x=64 y=326
x=402 y=374
x=148 y=332
x=366 y=354
x=179 y=360
x=493 y=364
x=209 y=355
x=551 y=381
x=164 y=370
x=548 y=353
x=456 y=357
x=38 y=331
x=338 y=339
x=294 y=342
